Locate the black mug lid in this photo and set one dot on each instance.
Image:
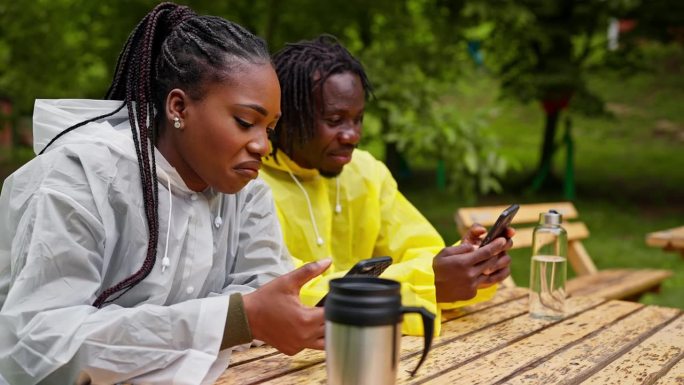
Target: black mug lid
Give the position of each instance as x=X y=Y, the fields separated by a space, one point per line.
x=364 y=301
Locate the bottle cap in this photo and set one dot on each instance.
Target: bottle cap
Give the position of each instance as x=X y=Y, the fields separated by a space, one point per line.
x=553 y=217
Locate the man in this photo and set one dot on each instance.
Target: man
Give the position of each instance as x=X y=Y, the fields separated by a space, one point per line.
x=337 y=202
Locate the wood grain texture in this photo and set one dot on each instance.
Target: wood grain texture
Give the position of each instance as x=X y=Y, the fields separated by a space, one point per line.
x=239 y=357
x=412 y=346
x=497 y=342
x=617 y=283
x=586 y=357
x=537 y=345
x=270 y=367
x=649 y=361
x=461 y=351
x=674 y=376
x=502 y=296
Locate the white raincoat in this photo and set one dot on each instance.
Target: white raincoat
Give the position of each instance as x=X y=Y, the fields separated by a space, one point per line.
x=73 y=224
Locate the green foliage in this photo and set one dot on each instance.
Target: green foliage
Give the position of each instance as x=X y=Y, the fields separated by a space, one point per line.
x=413 y=52
x=411 y=49
x=443 y=133
x=61 y=48
x=544 y=49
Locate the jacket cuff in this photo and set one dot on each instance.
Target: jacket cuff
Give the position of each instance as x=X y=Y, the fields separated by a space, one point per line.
x=237 y=331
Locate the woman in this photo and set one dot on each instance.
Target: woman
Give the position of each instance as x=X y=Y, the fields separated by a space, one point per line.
x=129 y=242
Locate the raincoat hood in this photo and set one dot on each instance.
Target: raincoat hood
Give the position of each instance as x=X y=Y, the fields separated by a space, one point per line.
x=52 y=116
x=282 y=162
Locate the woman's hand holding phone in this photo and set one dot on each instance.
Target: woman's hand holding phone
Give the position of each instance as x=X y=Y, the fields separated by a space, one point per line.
x=371 y=267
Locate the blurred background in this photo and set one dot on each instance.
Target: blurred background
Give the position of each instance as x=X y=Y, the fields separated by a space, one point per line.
x=476 y=102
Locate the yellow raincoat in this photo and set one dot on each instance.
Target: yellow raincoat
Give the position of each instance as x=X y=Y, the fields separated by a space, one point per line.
x=374 y=219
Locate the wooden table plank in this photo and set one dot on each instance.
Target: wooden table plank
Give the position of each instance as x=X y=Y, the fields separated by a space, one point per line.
x=271 y=367
x=596 y=351
x=496 y=342
x=503 y=295
x=673 y=238
x=674 y=375
x=251 y=354
x=412 y=346
x=647 y=362
x=616 y=283
x=537 y=345
x=460 y=351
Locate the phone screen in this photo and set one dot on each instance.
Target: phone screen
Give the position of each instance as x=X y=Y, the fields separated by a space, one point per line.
x=371 y=267
x=499 y=227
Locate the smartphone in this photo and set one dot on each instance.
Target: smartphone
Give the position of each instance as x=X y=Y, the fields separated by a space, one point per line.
x=372 y=267
x=499 y=227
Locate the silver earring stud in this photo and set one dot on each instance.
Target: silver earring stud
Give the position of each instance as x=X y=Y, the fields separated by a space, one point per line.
x=176 y=122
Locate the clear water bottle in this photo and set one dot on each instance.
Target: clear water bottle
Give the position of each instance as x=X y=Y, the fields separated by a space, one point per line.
x=548 y=271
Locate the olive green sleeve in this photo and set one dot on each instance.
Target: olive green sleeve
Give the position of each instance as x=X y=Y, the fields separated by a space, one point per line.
x=236 y=331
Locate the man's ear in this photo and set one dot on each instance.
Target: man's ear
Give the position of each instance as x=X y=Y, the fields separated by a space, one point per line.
x=176 y=103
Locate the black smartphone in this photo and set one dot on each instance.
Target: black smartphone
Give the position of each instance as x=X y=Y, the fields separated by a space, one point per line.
x=372 y=267
x=499 y=227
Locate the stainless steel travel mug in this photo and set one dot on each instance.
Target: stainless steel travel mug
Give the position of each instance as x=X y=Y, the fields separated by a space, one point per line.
x=363 y=331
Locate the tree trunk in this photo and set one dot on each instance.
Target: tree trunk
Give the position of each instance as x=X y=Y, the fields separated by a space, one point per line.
x=547 y=150
x=548 y=146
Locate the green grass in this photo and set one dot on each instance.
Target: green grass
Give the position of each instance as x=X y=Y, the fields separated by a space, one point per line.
x=629 y=168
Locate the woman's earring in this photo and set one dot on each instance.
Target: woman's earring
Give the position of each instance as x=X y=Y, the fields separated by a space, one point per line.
x=176 y=122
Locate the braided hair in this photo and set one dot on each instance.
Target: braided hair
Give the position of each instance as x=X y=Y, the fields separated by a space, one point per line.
x=171 y=47
x=302 y=69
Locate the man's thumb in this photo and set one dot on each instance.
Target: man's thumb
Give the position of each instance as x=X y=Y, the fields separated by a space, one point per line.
x=308 y=272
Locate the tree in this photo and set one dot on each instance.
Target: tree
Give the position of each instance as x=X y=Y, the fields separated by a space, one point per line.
x=543 y=50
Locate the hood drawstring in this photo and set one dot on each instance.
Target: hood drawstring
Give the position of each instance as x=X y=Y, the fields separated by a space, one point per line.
x=218 y=221
x=166 y=262
x=319 y=240
x=338 y=206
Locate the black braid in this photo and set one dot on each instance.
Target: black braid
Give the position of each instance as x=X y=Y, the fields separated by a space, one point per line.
x=296 y=65
x=171 y=47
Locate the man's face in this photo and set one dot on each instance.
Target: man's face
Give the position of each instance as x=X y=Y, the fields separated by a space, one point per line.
x=337 y=125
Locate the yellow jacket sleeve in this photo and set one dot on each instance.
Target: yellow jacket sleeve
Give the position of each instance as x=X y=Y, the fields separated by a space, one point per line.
x=413 y=242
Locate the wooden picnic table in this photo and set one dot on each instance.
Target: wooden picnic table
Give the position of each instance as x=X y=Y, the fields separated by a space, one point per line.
x=672 y=239
x=598 y=342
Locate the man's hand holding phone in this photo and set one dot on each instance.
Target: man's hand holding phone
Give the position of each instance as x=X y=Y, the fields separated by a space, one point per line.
x=474 y=237
x=461 y=270
x=500 y=228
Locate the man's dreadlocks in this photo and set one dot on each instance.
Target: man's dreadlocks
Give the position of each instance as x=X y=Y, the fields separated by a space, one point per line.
x=302 y=69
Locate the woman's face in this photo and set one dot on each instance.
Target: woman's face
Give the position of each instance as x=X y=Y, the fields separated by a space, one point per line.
x=223 y=135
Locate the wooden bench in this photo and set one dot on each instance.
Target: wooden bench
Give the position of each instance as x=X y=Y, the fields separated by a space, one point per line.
x=608 y=283
x=670 y=240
